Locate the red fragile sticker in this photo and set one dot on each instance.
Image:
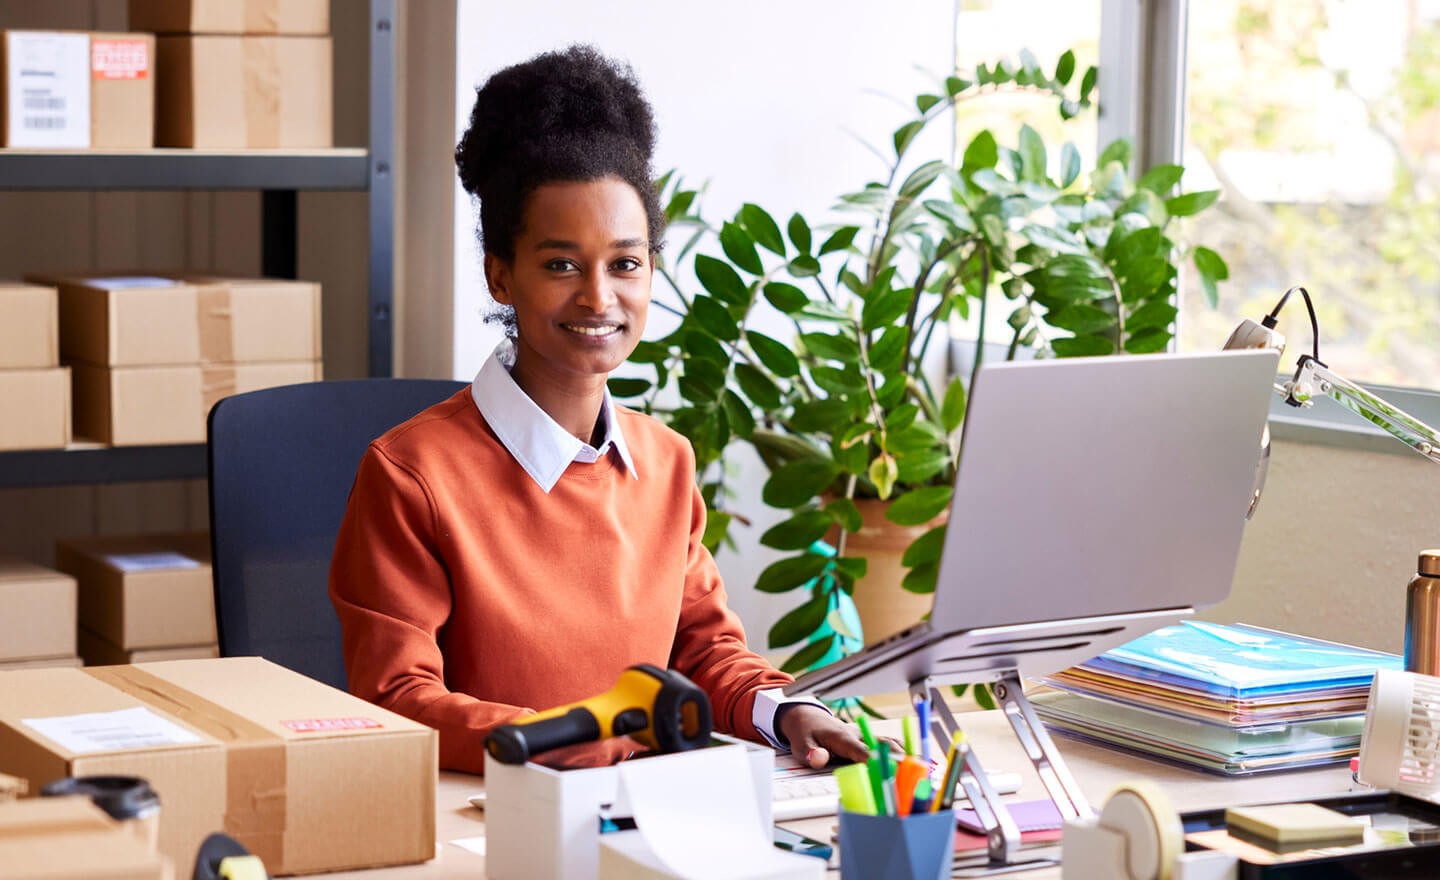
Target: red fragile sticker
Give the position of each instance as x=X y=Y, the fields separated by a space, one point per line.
x=119 y=59
x=330 y=725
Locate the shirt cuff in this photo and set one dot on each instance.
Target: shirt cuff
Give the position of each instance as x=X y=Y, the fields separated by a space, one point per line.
x=763 y=715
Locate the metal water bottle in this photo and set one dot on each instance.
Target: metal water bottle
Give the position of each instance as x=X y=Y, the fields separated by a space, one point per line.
x=1422 y=616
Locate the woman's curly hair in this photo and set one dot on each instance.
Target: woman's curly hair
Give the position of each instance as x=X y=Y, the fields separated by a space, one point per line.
x=572 y=115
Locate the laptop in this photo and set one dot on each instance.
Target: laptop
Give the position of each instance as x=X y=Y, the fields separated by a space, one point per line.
x=1096 y=500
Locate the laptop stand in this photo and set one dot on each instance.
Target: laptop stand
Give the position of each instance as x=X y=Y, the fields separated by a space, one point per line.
x=1002 y=835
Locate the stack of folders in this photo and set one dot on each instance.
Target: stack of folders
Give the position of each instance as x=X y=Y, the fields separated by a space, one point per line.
x=1229 y=699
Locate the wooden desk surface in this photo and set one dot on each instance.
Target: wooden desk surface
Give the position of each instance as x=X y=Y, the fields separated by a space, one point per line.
x=1096 y=769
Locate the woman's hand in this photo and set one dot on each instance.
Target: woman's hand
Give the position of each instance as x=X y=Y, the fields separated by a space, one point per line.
x=816 y=736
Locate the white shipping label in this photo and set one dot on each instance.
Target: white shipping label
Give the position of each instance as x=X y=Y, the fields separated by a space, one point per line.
x=162 y=561
x=136 y=728
x=47 y=100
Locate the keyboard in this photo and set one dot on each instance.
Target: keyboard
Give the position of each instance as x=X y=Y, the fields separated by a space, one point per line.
x=817 y=794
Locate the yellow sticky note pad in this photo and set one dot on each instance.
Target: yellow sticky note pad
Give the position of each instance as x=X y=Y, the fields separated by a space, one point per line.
x=1295 y=823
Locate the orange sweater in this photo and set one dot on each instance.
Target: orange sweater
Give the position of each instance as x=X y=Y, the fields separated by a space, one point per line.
x=468 y=597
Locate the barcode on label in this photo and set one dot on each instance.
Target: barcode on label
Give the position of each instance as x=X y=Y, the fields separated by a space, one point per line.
x=45 y=102
x=43 y=123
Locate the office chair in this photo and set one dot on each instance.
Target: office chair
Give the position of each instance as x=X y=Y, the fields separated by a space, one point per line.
x=282 y=461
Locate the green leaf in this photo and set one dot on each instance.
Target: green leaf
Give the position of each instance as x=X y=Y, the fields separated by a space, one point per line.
x=901 y=417
x=905 y=134
x=1148 y=341
x=919 y=506
x=714 y=318
x=839 y=240
x=1191 y=203
x=804 y=266
x=787 y=574
x=951 y=213
x=737 y=412
x=921 y=578
x=831 y=346
x=923 y=103
x=799 y=233
x=800 y=623
x=952 y=410
x=628 y=387
x=717 y=527
x=777 y=358
x=797 y=482
x=838 y=381
x=1032 y=154
x=739 y=247
x=1081 y=319
x=648 y=352
x=1082 y=346
x=700 y=345
x=820 y=415
x=1087 y=83
x=982 y=152
x=1161 y=179
x=1065 y=68
x=758 y=387
x=851 y=567
x=886 y=352
x=921 y=178
x=954 y=85
x=1069 y=165
x=1211 y=267
x=679 y=204
x=1117 y=150
x=845 y=514
x=883 y=472
x=885 y=309
x=720 y=280
x=799 y=531
x=1156 y=313
x=786 y=297
x=925 y=548
x=920 y=467
x=808 y=656
x=762 y=228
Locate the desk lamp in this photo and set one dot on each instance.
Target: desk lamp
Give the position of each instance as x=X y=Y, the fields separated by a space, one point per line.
x=1312 y=376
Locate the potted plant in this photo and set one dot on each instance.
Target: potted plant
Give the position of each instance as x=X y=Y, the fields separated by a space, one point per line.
x=842 y=404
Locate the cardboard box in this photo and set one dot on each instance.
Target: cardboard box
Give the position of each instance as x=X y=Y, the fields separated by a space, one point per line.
x=29 y=326
x=222 y=92
x=143 y=591
x=44 y=663
x=257 y=319
x=11 y=787
x=126 y=319
x=69 y=838
x=229 y=17
x=221 y=381
x=77 y=90
x=39 y=611
x=97 y=650
x=305 y=776
x=35 y=408
x=138 y=406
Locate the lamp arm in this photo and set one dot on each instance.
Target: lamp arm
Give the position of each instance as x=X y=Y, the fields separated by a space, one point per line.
x=1312 y=378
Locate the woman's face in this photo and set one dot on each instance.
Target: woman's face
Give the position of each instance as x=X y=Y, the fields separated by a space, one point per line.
x=580 y=280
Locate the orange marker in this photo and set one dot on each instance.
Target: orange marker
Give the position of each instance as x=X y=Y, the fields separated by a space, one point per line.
x=907 y=777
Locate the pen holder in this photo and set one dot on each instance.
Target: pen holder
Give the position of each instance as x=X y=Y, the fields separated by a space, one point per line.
x=918 y=847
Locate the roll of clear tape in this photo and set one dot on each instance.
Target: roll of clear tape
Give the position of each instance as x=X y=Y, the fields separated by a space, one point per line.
x=1141 y=813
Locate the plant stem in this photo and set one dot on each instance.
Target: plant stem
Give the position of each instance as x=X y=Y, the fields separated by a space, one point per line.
x=984 y=308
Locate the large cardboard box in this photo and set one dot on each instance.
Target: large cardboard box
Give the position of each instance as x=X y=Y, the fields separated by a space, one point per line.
x=44 y=663
x=257 y=319
x=139 y=406
x=96 y=650
x=307 y=777
x=38 y=620
x=126 y=319
x=69 y=838
x=76 y=90
x=29 y=326
x=222 y=92
x=230 y=17
x=143 y=591
x=35 y=408
x=223 y=380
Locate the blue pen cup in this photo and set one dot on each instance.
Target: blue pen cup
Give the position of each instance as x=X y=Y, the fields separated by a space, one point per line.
x=918 y=847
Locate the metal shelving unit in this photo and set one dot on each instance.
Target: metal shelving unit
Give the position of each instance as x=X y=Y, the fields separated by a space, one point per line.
x=279 y=175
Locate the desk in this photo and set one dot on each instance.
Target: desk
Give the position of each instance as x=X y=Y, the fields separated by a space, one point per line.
x=1095 y=768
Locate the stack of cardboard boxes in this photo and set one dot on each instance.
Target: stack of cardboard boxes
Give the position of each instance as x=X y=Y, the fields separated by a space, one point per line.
x=237 y=75
x=77 y=90
x=34 y=388
x=141 y=598
x=37 y=626
x=151 y=353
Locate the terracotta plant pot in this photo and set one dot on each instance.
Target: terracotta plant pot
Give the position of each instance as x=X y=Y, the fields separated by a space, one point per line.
x=885 y=607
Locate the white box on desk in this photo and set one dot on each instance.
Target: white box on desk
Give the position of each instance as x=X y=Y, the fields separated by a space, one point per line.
x=544 y=824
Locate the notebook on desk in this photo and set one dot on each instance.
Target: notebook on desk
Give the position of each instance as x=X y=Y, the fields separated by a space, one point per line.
x=1096 y=500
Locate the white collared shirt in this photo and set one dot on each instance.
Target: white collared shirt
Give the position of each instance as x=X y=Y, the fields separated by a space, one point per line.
x=545 y=450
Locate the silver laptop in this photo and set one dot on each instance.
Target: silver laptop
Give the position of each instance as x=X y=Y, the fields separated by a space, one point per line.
x=1096 y=500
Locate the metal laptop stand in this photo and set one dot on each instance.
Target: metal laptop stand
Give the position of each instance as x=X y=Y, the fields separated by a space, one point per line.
x=1002 y=835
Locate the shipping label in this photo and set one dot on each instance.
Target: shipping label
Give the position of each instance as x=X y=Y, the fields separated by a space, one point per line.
x=159 y=561
x=47 y=96
x=137 y=728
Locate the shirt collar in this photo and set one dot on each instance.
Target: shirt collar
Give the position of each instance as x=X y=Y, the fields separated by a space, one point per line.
x=538 y=443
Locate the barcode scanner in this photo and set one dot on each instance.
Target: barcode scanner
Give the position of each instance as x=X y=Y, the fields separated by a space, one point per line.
x=658 y=707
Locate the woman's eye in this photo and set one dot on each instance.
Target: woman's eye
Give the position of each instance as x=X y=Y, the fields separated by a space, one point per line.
x=560 y=266
x=627 y=264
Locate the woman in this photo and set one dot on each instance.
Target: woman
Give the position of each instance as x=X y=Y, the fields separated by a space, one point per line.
x=519 y=545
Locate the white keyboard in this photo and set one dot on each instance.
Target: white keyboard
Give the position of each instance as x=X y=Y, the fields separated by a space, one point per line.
x=803 y=797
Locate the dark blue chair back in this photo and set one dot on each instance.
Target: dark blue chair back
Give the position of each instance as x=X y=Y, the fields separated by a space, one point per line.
x=282 y=461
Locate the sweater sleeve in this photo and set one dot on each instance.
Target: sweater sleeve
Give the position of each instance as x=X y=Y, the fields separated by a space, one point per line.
x=710 y=646
x=391 y=591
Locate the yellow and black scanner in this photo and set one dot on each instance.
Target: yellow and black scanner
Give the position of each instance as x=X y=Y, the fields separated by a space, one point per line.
x=659 y=707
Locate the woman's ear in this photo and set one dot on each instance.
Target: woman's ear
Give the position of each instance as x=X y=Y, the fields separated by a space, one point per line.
x=497 y=278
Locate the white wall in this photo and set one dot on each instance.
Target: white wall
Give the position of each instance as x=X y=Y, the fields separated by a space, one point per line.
x=771 y=102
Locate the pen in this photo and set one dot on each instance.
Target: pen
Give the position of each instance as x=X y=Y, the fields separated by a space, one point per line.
x=922 y=713
x=887 y=776
x=958 y=752
x=865 y=733
x=939 y=796
x=907 y=734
